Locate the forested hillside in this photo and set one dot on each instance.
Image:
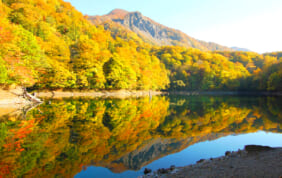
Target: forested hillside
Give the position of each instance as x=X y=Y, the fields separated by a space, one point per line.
x=192 y=69
x=48 y=44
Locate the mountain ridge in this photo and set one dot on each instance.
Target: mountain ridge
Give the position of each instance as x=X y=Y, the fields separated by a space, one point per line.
x=153 y=32
x=240 y=49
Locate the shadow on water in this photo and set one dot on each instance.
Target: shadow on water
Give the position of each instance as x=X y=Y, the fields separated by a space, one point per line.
x=63 y=137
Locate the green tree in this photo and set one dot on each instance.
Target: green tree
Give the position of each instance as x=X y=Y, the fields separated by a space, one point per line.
x=118 y=76
x=274 y=82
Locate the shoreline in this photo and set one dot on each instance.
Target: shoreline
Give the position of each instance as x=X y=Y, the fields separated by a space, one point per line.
x=11 y=98
x=142 y=93
x=253 y=161
x=226 y=93
x=97 y=94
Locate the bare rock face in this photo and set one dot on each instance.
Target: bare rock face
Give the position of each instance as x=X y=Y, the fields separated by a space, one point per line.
x=136 y=20
x=147 y=29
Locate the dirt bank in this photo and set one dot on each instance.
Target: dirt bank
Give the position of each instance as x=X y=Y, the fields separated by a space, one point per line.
x=250 y=162
x=10 y=101
x=12 y=98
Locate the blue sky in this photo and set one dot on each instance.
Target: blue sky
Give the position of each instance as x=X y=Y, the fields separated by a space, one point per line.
x=252 y=24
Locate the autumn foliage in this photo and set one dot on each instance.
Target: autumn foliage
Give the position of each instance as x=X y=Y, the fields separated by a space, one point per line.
x=48 y=44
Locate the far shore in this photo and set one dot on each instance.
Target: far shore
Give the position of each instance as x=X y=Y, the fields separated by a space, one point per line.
x=96 y=94
x=235 y=93
x=142 y=93
x=11 y=98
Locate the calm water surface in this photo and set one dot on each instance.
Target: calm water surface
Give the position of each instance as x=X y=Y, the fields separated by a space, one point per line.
x=119 y=138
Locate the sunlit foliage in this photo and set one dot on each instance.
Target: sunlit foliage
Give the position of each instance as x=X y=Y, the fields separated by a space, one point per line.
x=48 y=44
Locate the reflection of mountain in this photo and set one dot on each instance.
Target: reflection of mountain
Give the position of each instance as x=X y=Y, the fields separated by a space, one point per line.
x=156 y=149
x=63 y=137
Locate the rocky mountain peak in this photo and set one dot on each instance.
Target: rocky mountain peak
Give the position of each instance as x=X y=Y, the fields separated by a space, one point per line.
x=139 y=23
x=136 y=14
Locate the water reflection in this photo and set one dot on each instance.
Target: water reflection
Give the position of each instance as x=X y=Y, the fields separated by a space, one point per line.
x=63 y=137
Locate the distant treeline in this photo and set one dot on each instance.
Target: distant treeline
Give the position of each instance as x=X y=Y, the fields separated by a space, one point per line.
x=192 y=69
x=50 y=45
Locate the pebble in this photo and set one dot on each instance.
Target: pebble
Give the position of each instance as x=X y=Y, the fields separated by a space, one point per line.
x=200 y=161
x=147 y=171
x=172 y=167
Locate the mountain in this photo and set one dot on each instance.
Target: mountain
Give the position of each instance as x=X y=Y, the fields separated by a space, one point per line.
x=153 y=32
x=240 y=49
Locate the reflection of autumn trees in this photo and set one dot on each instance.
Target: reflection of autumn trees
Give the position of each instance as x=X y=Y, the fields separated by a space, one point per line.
x=200 y=116
x=62 y=137
x=76 y=133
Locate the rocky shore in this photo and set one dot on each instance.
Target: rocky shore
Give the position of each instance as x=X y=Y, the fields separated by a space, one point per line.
x=253 y=161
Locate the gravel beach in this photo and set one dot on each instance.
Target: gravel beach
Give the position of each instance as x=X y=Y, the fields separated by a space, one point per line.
x=253 y=161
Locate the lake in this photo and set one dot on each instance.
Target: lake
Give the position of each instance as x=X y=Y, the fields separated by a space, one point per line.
x=121 y=137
